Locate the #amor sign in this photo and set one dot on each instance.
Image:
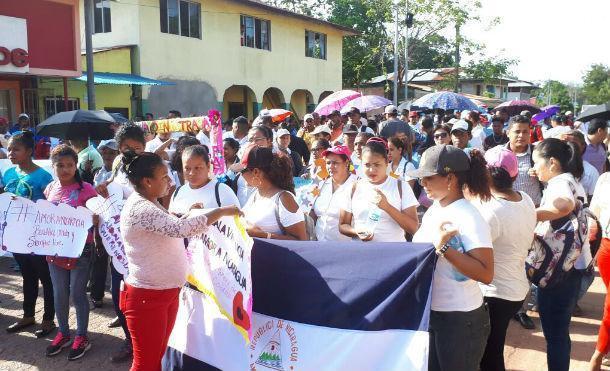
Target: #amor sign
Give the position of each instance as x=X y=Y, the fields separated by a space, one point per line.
x=42 y=228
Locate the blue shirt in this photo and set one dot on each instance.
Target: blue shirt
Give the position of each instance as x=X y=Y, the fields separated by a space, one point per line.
x=27 y=185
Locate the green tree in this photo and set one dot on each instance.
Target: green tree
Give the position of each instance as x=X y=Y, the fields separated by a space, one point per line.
x=489 y=69
x=555 y=92
x=596 y=84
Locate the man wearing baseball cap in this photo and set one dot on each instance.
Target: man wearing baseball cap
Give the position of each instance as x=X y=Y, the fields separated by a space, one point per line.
x=392 y=125
x=355 y=118
x=283 y=139
x=23 y=123
x=460 y=134
x=306 y=131
x=322 y=132
x=414 y=121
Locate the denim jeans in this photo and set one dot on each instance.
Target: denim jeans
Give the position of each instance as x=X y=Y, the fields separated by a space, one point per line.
x=72 y=282
x=555 y=306
x=458 y=339
x=115 y=289
x=586 y=280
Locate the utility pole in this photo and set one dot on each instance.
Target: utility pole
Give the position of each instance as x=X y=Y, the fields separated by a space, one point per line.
x=408 y=23
x=457 y=58
x=396 y=36
x=89 y=51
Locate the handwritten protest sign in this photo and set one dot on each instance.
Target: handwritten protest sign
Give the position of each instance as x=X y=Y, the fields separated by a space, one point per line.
x=186 y=124
x=220 y=267
x=42 y=228
x=109 y=210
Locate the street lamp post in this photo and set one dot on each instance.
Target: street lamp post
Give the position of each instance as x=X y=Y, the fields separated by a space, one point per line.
x=396 y=36
x=409 y=20
x=89 y=55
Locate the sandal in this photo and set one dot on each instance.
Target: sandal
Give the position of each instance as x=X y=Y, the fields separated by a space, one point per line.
x=21 y=324
x=45 y=329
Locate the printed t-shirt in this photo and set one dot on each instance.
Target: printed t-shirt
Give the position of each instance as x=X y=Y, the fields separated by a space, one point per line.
x=30 y=185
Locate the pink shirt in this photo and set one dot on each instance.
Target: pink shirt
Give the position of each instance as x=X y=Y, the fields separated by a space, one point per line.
x=74 y=195
x=154 y=243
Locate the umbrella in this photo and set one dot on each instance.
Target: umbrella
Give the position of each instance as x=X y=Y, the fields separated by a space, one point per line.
x=336 y=101
x=118 y=118
x=601 y=111
x=515 y=107
x=548 y=111
x=78 y=124
x=445 y=100
x=278 y=114
x=366 y=103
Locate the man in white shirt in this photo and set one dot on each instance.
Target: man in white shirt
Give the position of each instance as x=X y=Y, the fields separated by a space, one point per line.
x=478 y=131
x=239 y=131
x=355 y=119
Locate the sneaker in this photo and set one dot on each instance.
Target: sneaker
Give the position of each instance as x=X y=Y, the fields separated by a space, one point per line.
x=60 y=342
x=123 y=354
x=97 y=303
x=114 y=323
x=525 y=321
x=79 y=347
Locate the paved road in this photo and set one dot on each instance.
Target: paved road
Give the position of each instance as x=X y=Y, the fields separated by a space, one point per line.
x=525 y=349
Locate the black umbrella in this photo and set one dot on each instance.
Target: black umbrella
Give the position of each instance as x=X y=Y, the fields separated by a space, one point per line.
x=596 y=112
x=118 y=118
x=77 y=125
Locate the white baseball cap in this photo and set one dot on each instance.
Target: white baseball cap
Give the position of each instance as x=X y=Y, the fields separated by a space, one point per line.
x=109 y=143
x=391 y=109
x=24 y=116
x=322 y=129
x=460 y=125
x=308 y=116
x=282 y=132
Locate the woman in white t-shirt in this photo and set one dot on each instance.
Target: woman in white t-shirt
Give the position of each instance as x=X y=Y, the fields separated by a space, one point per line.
x=199 y=188
x=459 y=322
x=558 y=164
x=272 y=211
x=333 y=192
x=399 y=163
x=511 y=243
x=600 y=206
x=379 y=208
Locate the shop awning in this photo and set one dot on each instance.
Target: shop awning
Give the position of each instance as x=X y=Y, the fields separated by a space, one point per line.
x=122 y=79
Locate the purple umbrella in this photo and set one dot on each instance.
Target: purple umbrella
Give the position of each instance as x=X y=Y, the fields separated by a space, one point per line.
x=514 y=107
x=548 y=111
x=366 y=103
x=336 y=101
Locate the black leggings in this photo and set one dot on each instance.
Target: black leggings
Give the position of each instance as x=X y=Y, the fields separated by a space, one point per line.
x=34 y=269
x=500 y=313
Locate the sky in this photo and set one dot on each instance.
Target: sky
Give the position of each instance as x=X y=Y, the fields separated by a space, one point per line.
x=552 y=39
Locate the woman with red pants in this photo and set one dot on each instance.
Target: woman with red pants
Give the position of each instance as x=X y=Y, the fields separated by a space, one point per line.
x=154 y=247
x=600 y=206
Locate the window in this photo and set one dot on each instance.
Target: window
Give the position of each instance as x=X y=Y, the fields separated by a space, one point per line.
x=255 y=32
x=181 y=17
x=101 y=16
x=56 y=104
x=315 y=45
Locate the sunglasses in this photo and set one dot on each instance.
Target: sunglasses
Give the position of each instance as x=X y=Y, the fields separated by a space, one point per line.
x=440 y=135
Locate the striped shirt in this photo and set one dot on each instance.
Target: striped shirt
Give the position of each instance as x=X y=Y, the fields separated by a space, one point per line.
x=525 y=182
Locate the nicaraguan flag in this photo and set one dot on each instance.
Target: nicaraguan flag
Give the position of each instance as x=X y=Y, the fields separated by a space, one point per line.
x=317 y=306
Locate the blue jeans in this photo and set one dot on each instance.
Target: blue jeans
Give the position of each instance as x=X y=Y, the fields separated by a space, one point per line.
x=555 y=306
x=72 y=282
x=586 y=280
x=115 y=290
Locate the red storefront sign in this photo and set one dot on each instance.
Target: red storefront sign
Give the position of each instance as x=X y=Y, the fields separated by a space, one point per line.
x=17 y=57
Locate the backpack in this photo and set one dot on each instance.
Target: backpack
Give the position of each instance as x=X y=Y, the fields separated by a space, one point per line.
x=556 y=247
x=595 y=236
x=232 y=183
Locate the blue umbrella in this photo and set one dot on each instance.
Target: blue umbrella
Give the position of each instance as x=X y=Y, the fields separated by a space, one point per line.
x=445 y=100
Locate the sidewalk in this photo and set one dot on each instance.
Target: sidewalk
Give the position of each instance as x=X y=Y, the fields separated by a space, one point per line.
x=525 y=350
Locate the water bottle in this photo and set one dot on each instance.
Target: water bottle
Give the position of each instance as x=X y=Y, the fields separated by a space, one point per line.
x=456 y=243
x=372 y=219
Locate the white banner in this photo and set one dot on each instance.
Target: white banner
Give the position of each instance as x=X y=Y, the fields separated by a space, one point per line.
x=220 y=267
x=109 y=211
x=42 y=228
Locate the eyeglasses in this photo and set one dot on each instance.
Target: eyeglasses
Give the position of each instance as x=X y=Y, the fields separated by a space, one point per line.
x=440 y=135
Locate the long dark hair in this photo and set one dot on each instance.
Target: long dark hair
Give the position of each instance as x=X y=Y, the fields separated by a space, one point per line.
x=501 y=179
x=130 y=131
x=183 y=143
x=137 y=167
x=64 y=150
x=568 y=155
x=277 y=167
x=477 y=178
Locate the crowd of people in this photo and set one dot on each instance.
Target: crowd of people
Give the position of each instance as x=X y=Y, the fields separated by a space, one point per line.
x=477 y=185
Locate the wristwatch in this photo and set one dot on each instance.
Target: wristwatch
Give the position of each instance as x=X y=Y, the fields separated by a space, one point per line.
x=441 y=252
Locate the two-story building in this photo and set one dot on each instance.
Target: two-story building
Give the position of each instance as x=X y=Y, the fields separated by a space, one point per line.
x=238 y=56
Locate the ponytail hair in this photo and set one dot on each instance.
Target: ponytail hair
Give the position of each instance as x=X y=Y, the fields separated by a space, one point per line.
x=566 y=153
x=137 y=167
x=477 y=178
x=64 y=150
x=277 y=167
x=24 y=138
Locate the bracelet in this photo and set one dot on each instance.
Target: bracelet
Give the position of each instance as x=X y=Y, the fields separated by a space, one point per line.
x=441 y=252
x=268 y=236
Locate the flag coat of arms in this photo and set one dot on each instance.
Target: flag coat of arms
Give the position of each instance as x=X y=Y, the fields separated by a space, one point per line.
x=316 y=306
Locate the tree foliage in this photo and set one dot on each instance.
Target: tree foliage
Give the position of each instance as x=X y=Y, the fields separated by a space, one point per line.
x=596 y=84
x=489 y=69
x=556 y=92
